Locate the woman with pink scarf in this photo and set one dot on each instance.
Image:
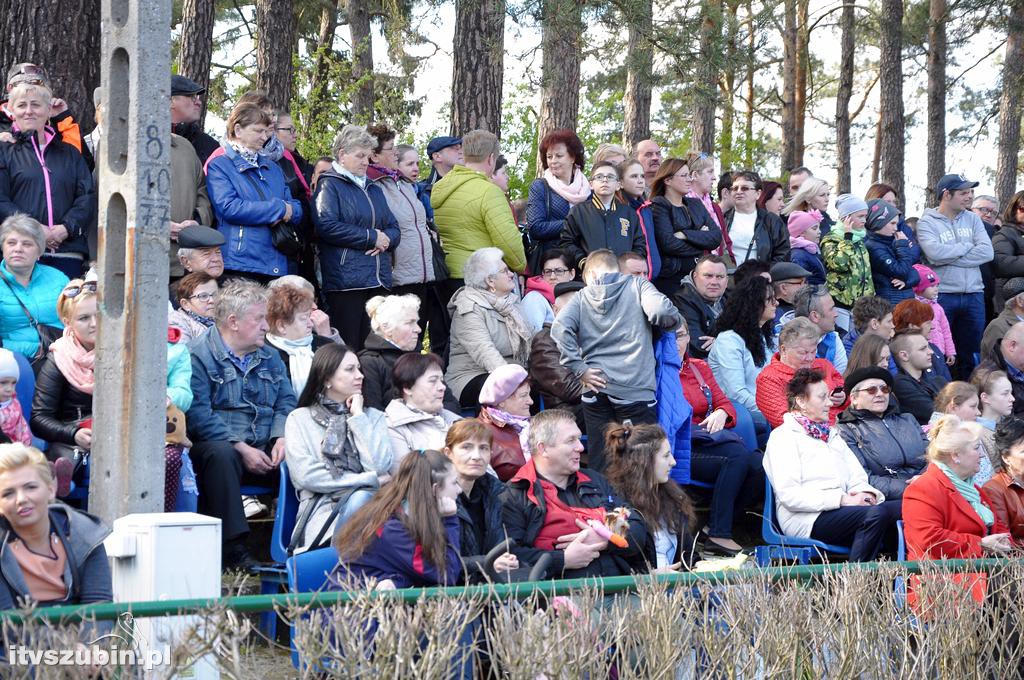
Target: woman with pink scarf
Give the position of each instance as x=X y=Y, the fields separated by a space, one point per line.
x=562 y=186
x=62 y=406
x=804 y=236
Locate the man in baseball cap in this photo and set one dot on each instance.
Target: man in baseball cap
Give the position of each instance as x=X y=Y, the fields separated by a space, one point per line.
x=186 y=110
x=955 y=241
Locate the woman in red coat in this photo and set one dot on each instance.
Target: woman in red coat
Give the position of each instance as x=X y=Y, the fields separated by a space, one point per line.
x=718 y=456
x=944 y=514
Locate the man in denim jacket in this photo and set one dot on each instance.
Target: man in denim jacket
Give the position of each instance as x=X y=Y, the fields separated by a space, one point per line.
x=241 y=399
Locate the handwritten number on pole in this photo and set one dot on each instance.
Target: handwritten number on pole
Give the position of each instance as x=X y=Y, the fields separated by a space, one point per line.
x=154 y=145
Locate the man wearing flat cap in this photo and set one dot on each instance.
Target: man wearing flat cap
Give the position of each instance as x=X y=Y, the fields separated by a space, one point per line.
x=444 y=154
x=955 y=243
x=788 y=279
x=199 y=250
x=186 y=109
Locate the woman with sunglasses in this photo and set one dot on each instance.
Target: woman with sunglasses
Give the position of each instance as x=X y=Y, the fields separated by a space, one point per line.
x=888 y=444
x=196 y=293
x=62 y=405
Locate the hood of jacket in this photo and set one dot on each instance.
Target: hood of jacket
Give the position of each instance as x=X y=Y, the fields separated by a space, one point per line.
x=400 y=413
x=538 y=284
x=605 y=293
x=458 y=177
x=855 y=415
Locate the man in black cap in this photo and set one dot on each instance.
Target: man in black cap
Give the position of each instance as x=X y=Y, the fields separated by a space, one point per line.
x=955 y=242
x=199 y=250
x=186 y=109
x=788 y=279
x=444 y=154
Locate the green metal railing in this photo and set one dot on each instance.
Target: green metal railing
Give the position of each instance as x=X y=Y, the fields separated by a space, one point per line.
x=497 y=591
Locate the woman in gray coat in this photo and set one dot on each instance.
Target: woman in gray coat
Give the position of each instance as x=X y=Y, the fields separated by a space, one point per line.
x=889 y=445
x=337 y=451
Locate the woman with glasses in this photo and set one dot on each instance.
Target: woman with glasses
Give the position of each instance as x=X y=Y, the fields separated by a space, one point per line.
x=603 y=221
x=540 y=290
x=1008 y=243
x=62 y=405
x=683 y=229
x=755 y=233
x=562 y=186
x=195 y=292
x=888 y=444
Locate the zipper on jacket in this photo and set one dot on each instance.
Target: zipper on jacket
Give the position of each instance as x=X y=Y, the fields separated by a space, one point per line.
x=46 y=179
x=423 y=257
x=256 y=186
x=373 y=218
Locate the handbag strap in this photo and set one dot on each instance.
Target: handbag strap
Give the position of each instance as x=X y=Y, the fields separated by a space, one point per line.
x=703 y=387
x=31 y=319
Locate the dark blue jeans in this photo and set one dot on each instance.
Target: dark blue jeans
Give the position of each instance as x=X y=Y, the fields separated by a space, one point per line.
x=966 y=314
x=865 y=529
x=737 y=478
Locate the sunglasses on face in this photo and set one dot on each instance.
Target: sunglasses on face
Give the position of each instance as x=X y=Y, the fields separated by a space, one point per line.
x=75 y=291
x=875 y=389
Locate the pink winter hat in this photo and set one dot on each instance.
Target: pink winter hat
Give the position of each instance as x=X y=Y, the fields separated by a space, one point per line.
x=800 y=221
x=502 y=384
x=928 y=278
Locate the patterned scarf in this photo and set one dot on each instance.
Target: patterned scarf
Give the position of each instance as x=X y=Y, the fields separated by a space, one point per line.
x=510 y=309
x=252 y=158
x=74 y=361
x=205 y=320
x=814 y=428
x=12 y=422
x=273 y=149
x=970 y=493
x=338 y=449
x=520 y=424
x=393 y=174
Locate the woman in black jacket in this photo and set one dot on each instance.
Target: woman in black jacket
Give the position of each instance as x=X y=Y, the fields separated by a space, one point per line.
x=683 y=228
x=1008 y=245
x=468 y=446
x=62 y=405
x=46 y=178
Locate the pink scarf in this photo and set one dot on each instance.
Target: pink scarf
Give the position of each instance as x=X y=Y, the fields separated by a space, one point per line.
x=803 y=244
x=706 y=200
x=576 y=192
x=12 y=422
x=74 y=361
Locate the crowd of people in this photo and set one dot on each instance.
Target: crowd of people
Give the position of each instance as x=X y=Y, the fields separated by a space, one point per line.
x=462 y=387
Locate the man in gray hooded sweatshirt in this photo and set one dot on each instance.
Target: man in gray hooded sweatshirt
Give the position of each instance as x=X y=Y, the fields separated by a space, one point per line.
x=605 y=337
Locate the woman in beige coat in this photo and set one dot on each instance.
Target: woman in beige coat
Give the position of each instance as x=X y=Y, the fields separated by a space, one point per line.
x=418 y=420
x=488 y=326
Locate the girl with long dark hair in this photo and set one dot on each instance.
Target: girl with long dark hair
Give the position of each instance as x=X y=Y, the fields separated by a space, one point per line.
x=639 y=462
x=408 y=535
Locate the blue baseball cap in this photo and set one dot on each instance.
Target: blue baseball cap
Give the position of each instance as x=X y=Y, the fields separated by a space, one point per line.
x=953 y=183
x=440 y=143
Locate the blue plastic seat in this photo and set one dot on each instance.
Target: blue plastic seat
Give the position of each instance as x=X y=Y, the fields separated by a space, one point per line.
x=273 y=576
x=307 y=573
x=778 y=546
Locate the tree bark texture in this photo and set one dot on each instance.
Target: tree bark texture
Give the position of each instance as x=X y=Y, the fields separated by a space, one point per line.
x=705 y=87
x=936 y=96
x=891 y=123
x=275 y=42
x=1010 y=106
x=561 y=42
x=320 y=99
x=478 y=70
x=748 y=122
x=789 y=66
x=362 y=61
x=727 y=84
x=803 y=61
x=196 y=51
x=62 y=36
x=639 y=75
x=843 y=95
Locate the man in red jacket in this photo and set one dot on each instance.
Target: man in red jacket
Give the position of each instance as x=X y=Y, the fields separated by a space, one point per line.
x=798 y=348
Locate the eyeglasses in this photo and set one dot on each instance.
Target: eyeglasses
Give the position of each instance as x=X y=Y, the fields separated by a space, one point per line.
x=874 y=389
x=559 y=271
x=285 y=129
x=742 y=187
x=75 y=291
x=202 y=297
x=604 y=178
x=987 y=211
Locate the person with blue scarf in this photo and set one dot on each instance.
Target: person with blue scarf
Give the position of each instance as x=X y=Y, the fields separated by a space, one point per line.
x=944 y=514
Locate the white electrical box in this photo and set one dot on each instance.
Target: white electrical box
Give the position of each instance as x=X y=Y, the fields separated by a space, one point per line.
x=166 y=556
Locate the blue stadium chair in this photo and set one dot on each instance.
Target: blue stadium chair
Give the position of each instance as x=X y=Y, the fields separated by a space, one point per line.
x=307 y=573
x=900 y=585
x=781 y=547
x=273 y=576
x=745 y=426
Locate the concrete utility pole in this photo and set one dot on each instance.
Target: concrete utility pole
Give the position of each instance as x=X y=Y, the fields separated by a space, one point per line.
x=134 y=197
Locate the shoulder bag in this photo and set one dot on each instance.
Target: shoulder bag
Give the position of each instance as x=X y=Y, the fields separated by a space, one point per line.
x=47 y=334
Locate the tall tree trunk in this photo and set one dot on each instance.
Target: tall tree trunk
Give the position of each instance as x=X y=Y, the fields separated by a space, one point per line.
x=639 y=75
x=803 y=60
x=845 y=92
x=878 y=151
x=748 y=123
x=936 y=96
x=275 y=42
x=477 y=73
x=728 y=85
x=890 y=64
x=196 y=50
x=705 y=88
x=561 y=41
x=320 y=100
x=789 y=65
x=1010 y=106
x=63 y=36
x=361 y=110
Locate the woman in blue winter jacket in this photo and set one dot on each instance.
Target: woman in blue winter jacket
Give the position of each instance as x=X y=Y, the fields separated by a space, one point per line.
x=249 y=196
x=356 y=232
x=562 y=186
x=892 y=260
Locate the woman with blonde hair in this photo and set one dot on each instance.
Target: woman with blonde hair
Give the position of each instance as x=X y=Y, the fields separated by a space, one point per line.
x=52 y=554
x=962 y=400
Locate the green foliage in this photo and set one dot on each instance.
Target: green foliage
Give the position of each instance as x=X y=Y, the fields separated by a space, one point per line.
x=519 y=118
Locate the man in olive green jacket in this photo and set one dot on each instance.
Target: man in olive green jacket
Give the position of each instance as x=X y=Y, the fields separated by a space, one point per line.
x=471 y=212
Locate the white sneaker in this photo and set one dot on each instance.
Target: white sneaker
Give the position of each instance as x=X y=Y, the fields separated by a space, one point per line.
x=253 y=507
